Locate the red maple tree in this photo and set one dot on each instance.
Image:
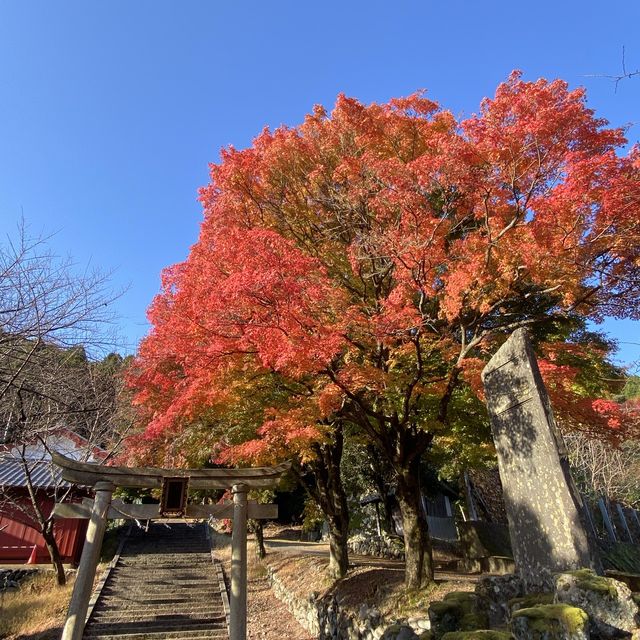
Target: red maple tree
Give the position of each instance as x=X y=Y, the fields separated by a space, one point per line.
x=372 y=258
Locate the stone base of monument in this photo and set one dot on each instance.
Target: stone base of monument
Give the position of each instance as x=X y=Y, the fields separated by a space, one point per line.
x=496 y=565
x=609 y=603
x=576 y=605
x=550 y=621
x=499 y=565
x=486 y=548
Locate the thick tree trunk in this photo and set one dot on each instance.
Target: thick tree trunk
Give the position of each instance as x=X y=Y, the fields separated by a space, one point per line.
x=54 y=553
x=258 y=525
x=333 y=502
x=417 y=543
x=378 y=478
x=338 y=551
x=327 y=490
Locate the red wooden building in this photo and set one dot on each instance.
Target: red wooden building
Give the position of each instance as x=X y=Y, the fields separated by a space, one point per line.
x=18 y=530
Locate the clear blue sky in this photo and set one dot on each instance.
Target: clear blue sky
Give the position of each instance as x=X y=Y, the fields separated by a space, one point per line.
x=110 y=111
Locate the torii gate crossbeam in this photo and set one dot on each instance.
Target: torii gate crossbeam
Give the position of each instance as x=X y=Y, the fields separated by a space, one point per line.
x=105 y=480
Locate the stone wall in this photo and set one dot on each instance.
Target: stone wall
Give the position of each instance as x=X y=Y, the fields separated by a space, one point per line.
x=11 y=578
x=384 y=546
x=325 y=618
x=577 y=605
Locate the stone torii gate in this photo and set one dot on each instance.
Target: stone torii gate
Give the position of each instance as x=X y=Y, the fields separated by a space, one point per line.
x=174 y=484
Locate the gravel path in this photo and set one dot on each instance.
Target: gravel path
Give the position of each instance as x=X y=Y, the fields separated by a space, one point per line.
x=267 y=617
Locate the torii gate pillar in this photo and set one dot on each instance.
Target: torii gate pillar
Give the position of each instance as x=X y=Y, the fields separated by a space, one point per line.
x=105 y=479
x=74 y=626
x=238 y=600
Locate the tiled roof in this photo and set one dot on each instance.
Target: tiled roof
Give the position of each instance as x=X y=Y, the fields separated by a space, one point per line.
x=43 y=473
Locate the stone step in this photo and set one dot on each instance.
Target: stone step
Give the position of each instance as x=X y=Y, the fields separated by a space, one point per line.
x=166 y=547
x=114 y=604
x=121 y=601
x=169 y=635
x=164 y=617
x=176 y=540
x=164 y=635
x=164 y=550
x=160 y=548
x=163 y=562
x=204 y=591
x=172 y=623
x=158 y=554
x=123 y=596
x=163 y=587
x=199 y=569
x=133 y=569
x=112 y=614
x=130 y=576
x=204 y=584
x=165 y=582
x=161 y=609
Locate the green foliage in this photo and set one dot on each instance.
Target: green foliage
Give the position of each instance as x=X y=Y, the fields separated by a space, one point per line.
x=467 y=442
x=631 y=389
x=112 y=538
x=130 y=495
x=312 y=516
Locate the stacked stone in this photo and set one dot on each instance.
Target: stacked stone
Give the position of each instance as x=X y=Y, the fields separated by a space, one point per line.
x=578 y=605
x=384 y=546
x=10 y=578
x=325 y=617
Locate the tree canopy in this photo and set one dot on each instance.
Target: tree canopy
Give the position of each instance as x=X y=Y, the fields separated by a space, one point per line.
x=368 y=261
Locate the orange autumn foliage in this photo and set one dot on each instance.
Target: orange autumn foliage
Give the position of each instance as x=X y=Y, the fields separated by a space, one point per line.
x=376 y=255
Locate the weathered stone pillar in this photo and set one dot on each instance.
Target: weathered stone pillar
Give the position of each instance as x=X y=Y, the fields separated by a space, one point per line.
x=238 y=600
x=77 y=613
x=543 y=507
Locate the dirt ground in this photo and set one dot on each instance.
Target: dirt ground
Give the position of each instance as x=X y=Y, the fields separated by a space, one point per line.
x=267 y=617
x=303 y=567
x=371 y=581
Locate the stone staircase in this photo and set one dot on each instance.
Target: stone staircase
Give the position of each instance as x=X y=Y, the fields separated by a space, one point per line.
x=163 y=586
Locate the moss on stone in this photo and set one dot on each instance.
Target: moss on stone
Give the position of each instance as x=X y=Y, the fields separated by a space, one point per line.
x=463 y=597
x=457 y=612
x=426 y=635
x=445 y=606
x=455 y=603
x=473 y=621
x=394 y=628
x=544 y=617
x=590 y=581
x=480 y=634
x=531 y=600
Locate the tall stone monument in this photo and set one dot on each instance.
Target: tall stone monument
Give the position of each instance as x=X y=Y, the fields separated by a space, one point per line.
x=543 y=507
